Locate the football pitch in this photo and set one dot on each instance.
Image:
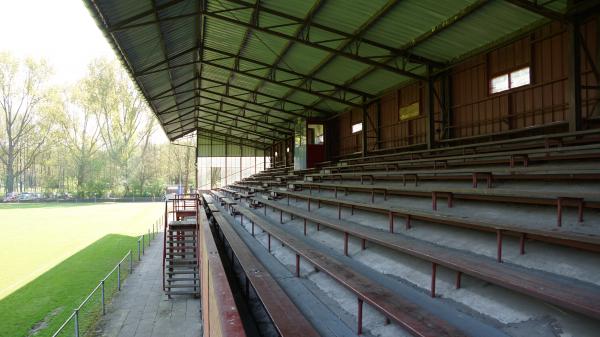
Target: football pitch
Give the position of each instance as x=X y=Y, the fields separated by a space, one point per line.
x=52 y=255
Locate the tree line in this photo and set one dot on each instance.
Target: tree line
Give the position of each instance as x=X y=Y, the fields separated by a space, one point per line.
x=90 y=139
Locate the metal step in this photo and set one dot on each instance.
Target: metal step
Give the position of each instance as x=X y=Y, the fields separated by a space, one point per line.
x=181 y=260
x=195 y=293
x=182 y=272
x=181 y=241
x=182 y=266
x=181 y=279
x=182 y=286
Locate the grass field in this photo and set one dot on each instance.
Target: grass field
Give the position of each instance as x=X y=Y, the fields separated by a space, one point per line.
x=53 y=255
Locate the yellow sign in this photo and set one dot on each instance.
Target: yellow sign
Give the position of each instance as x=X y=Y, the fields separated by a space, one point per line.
x=409 y=111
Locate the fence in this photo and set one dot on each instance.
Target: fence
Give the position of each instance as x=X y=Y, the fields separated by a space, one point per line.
x=159 y=198
x=94 y=305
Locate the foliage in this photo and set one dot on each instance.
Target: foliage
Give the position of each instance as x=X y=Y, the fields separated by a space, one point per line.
x=91 y=139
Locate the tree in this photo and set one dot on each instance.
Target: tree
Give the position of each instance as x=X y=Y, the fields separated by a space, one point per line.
x=24 y=125
x=81 y=132
x=125 y=124
x=184 y=158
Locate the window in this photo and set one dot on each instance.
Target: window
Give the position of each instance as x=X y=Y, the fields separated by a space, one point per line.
x=275 y=153
x=287 y=150
x=357 y=127
x=514 y=79
x=519 y=77
x=500 y=83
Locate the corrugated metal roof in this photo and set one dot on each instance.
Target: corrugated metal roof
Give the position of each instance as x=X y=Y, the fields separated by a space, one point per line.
x=247 y=69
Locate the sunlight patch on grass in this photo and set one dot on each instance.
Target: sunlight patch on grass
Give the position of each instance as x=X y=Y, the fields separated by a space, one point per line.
x=34 y=240
x=42 y=305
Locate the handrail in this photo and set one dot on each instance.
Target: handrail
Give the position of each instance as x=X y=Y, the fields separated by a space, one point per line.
x=195 y=197
x=101 y=285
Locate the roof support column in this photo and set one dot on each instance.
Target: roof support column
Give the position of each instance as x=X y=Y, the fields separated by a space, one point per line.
x=378 y=125
x=446 y=128
x=574 y=73
x=196 y=163
x=428 y=104
x=364 y=130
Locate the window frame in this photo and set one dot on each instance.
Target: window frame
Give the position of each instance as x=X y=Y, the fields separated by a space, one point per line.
x=508 y=73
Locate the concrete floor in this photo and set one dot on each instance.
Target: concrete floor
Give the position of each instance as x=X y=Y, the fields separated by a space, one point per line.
x=142 y=310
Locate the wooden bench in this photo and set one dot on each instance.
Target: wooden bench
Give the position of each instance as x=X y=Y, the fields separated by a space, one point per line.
x=546 y=198
x=514 y=144
x=219 y=196
x=285 y=316
x=566 y=238
x=407 y=314
x=229 y=203
x=580 y=152
x=493 y=174
x=572 y=294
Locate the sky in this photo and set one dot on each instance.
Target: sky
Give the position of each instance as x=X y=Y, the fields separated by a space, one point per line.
x=61 y=31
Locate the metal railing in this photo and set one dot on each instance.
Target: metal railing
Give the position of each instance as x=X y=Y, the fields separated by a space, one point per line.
x=85 y=315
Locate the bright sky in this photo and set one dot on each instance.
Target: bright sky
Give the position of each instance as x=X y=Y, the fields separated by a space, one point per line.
x=61 y=31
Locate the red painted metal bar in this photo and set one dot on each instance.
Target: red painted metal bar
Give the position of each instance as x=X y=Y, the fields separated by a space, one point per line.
x=406 y=314
x=576 y=297
x=346 y=244
x=585 y=242
x=499 y=245
x=433 y=275
x=360 y=317
x=287 y=320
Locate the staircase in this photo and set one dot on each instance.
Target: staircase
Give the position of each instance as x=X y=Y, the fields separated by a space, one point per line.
x=180 y=254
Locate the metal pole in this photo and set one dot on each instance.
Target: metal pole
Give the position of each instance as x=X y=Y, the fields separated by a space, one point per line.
x=119 y=276
x=130 y=262
x=143 y=245
x=76 y=322
x=139 y=256
x=103 y=304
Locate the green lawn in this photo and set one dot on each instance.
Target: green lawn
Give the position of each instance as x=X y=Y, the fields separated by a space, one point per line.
x=52 y=257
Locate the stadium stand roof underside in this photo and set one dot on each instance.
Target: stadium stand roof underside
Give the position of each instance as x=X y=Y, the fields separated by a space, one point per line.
x=246 y=70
